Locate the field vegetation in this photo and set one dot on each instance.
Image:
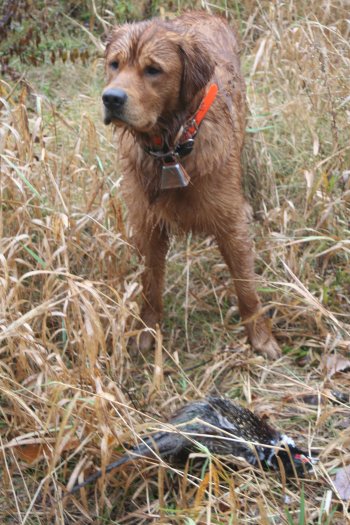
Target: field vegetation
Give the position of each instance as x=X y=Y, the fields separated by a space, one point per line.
x=73 y=393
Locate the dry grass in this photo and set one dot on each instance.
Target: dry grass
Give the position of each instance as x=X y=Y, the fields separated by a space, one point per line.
x=71 y=393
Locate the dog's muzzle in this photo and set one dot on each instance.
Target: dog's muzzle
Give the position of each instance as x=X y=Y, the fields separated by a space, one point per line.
x=113 y=100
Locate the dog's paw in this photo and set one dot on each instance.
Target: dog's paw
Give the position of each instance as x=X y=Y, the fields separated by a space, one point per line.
x=261 y=338
x=269 y=347
x=148 y=326
x=146 y=341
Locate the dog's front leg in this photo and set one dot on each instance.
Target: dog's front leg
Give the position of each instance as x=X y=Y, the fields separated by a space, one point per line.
x=153 y=246
x=237 y=251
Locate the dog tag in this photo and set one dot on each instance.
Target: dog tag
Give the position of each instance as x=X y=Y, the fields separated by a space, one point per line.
x=173 y=176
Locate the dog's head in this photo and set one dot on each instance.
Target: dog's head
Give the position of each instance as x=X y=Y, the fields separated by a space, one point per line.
x=153 y=71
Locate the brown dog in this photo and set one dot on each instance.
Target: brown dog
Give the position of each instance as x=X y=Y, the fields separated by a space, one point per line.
x=176 y=95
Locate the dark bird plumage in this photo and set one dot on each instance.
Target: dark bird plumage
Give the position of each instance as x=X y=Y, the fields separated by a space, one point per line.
x=224 y=428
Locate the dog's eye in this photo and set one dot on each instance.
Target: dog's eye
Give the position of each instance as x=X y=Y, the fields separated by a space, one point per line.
x=114 y=65
x=153 y=71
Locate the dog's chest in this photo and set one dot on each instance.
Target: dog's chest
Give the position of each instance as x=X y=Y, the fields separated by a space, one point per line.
x=183 y=210
x=211 y=168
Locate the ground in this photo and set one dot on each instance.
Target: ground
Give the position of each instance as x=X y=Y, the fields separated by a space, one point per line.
x=72 y=392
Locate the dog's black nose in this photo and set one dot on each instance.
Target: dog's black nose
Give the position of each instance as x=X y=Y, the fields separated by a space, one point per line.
x=114 y=98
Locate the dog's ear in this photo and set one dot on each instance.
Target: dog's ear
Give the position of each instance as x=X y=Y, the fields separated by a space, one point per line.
x=198 y=67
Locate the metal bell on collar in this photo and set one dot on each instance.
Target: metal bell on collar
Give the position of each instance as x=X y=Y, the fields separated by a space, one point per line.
x=173 y=176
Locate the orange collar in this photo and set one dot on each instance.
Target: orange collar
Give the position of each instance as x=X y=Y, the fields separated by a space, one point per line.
x=203 y=109
x=184 y=141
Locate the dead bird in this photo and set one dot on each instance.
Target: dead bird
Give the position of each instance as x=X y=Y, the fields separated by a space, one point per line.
x=223 y=428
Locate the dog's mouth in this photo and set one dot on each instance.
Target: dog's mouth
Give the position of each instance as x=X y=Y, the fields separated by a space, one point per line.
x=113 y=117
x=107 y=119
x=119 y=119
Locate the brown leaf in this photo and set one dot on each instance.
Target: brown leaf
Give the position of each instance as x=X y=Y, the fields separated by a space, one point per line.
x=33 y=452
x=342 y=483
x=335 y=363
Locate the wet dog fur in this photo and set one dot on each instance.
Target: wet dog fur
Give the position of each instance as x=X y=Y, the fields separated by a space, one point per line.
x=161 y=71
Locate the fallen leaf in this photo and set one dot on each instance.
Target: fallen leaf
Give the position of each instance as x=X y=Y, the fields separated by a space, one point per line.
x=342 y=483
x=335 y=363
x=33 y=452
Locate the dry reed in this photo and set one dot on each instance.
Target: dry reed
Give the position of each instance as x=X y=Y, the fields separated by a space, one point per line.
x=72 y=393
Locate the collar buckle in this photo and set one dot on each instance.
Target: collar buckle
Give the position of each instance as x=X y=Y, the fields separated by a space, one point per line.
x=184 y=148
